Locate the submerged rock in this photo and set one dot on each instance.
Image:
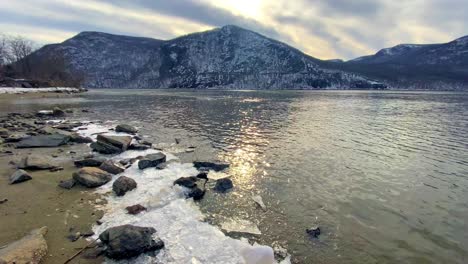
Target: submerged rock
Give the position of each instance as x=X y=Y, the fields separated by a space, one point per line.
x=19 y=176
x=112 y=167
x=67 y=184
x=126 y=129
x=128 y=241
x=196 y=193
x=135 y=209
x=43 y=141
x=35 y=162
x=206 y=166
x=91 y=177
x=223 y=185
x=28 y=250
x=151 y=160
x=314 y=232
x=123 y=184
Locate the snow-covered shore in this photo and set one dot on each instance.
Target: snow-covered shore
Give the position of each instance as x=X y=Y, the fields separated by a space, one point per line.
x=18 y=90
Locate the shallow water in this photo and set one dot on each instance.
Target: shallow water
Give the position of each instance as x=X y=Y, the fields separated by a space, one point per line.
x=384 y=174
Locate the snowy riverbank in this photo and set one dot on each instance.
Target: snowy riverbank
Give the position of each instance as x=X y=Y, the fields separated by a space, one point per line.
x=18 y=90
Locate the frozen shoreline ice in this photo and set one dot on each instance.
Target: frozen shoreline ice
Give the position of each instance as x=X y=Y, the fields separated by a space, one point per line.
x=18 y=90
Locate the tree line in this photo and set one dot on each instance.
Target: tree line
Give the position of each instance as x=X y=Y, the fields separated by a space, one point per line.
x=17 y=61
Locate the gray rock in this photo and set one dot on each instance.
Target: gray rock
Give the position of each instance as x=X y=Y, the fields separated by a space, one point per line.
x=91 y=177
x=206 y=166
x=135 y=209
x=58 y=112
x=121 y=142
x=40 y=141
x=35 y=162
x=80 y=139
x=129 y=241
x=31 y=249
x=112 y=167
x=105 y=148
x=89 y=162
x=19 y=176
x=67 y=184
x=137 y=146
x=151 y=160
x=126 y=129
x=123 y=184
x=4 y=132
x=223 y=185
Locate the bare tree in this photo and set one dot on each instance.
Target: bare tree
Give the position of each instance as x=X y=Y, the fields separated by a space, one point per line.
x=3 y=54
x=20 y=48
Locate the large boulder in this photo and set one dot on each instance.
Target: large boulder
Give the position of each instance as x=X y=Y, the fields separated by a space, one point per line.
x=151 y=160
x=126 y=129
x=129 y=241
x=206 y=166
x=123 y=184
x=111 y=144
x=45 y=141
x=35 y=162
x=19 y=176
x=91 y=177
x=28 y=250
x=112 y=167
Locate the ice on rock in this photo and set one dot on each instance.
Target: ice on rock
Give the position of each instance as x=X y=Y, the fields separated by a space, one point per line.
x=178 y=221
x=240 y=226
x=213 y=175
x=258 y=199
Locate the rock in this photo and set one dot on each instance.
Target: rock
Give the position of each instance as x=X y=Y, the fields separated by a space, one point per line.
x=123 y=184
x=188 y=182
x=3 y=200
x=35 y=162
x=105 y=148
x=112 y=167
x=4 y=133
x=94 y=253
x=151 y=160
x=144 y=142
x=206 y=166
x=128 y=241
x=40 y=141
x=258 y=199
x=74 y=237
x=223 y=185
x=202 y=175
x=121 y=142
x=135 y=209
x=91 y=177
x=313 y=232
x=89 y=162
x=28 y=250
x=80 y=139
x=196 y=193
x=137 y=146
x=58 y=112
x=55 y=169
x=15 y=138
x=126 y=129
x=19 y=176
x=67 y=184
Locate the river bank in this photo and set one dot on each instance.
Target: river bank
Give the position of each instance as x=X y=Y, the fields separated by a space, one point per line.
x=73 y=214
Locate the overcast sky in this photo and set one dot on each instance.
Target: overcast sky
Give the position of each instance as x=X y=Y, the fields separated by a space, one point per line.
x=324 y=29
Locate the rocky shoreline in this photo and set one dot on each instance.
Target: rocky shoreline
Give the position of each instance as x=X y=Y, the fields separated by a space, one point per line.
x=118 y=163
x=22 y=90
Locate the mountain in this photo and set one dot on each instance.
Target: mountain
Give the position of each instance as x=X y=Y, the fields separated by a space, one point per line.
x=227 y=57
x=433 y=66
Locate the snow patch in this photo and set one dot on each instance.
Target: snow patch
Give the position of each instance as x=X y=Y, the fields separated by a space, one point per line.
x=17 y=90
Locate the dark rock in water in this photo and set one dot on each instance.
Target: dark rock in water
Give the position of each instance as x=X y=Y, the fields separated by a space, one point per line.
x=58 y=112
x=35 y=162
x=161 y=166
x=89 y=162
x=80 y=139
x=196 y=193
x=74 y=237
x=121 y=142
x=126 y=129
x=94 y=253
x=123 y=184
x=151 y=160
x=128 y=241
x=138 y=147
x=313 y=232
x=125 y=162
x=105 y=148
x=19 y=176
x=223 y=185
x=188 y=182
x=67 y=184
x=206 y=166
x=112 y=167
x=53 y=140
x=91 y=177
x=55 y=169
x=144 y=142
x=202 y=175
x=135 y=209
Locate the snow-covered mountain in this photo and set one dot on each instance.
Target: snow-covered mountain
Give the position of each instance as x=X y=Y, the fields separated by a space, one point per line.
x=227 y=57
x=433 y=66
